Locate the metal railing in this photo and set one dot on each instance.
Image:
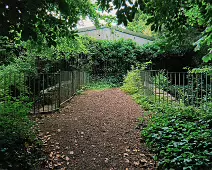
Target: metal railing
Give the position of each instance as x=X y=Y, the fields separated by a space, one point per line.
x=180 y=87
x=46 y=91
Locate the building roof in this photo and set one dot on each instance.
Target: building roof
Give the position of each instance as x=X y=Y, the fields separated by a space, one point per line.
x=86 y=29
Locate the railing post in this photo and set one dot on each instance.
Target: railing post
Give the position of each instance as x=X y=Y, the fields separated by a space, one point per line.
x=155 y=86
x=34 y=95
x=206 y=84
x=59 y=90
x=167 y=87
x=192 y=81
x=43 y=101
x=184 y=93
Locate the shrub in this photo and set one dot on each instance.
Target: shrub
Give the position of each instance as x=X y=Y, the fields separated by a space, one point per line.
x=15 y=75
x=132 y=82
x=20 y=148
x=106 y=57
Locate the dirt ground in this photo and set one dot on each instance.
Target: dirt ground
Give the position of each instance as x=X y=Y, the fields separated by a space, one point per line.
x=95 y=131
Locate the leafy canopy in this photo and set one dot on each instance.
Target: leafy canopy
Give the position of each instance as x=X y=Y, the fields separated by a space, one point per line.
x=45 y=17
x=139 y=24
x=175 y=16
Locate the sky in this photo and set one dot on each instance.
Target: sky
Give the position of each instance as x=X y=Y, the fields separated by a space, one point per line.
x=88 y=23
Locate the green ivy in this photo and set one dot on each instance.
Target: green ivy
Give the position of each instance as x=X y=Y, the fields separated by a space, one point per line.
x=181 y=137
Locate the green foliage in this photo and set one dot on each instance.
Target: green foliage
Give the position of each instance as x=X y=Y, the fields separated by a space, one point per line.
x=15 y=74
x=139 y=24
x=110 y=57
x=65 y=48
x=132 y=82
x=162 y=50
x=6 y=50
x=70 y=47
x=44 y=17
x=99 y=83
x=194 y=16
x=10 y=77
x=177 y=17
x=20 y=148
x=207 y=58
x=161 y=81
x=146 y=102
x=179 y=135
x=204 y=69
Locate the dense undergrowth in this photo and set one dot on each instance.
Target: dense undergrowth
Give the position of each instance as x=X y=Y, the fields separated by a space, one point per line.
x=179 y=135
x=20 y=147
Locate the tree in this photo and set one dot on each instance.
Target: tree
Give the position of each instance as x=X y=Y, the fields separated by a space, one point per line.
x=174 y=16
x=46 y=17
x=139 y=24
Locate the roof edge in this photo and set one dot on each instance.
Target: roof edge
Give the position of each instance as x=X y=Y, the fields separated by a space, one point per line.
x=118 y=29
x=134 y=33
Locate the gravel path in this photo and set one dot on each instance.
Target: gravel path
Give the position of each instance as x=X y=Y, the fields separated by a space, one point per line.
x=95 y=131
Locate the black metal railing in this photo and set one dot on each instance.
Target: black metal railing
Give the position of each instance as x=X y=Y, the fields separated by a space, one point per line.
x=181 y=87
x=46 y=91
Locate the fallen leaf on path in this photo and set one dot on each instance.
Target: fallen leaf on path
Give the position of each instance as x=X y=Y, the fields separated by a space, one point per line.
x=106 y=160
x=127 y=160
x=142 y=155
x=71 y=152
x=136 y=163
x=136 y=150
x=67 y=158
x=143 y=160
x=127 y=150
x=51 y=154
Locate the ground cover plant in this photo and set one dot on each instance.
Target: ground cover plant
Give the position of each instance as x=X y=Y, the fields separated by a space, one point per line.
x=179 y=135
x=20 y=147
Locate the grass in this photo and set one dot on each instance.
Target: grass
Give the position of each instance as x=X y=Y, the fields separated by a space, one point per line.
x=99 y=85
